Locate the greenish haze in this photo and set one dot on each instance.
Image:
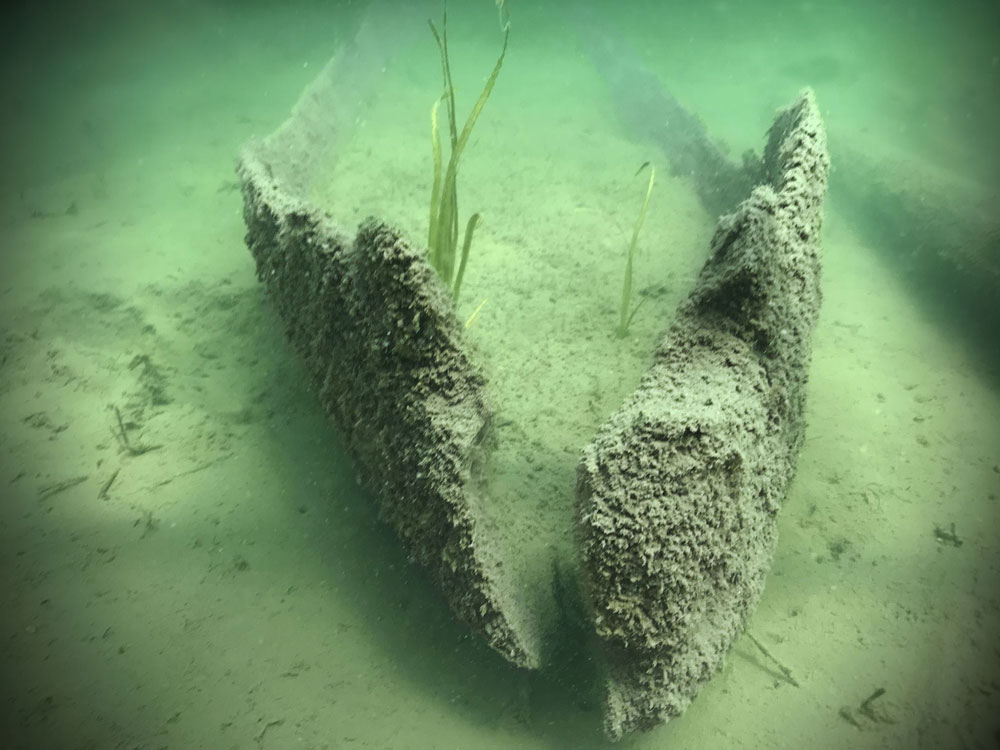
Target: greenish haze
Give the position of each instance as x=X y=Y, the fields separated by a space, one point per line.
x=237 y=589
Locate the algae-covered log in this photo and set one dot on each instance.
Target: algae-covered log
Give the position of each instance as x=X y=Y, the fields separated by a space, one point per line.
x=678 y=493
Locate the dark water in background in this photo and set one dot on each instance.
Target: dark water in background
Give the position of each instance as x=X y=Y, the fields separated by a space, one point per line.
x=91 y=86
x=115 y=637
x=926 y=73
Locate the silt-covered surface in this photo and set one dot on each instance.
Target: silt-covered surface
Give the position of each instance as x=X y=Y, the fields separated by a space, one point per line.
x=678 y=494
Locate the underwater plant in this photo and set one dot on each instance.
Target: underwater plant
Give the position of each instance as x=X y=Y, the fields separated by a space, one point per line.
x=625 y=317
x=442 y=233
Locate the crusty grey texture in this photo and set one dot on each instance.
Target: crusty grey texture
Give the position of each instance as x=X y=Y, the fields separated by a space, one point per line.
x=677 y=496
x=379 y=339
x=378 y=334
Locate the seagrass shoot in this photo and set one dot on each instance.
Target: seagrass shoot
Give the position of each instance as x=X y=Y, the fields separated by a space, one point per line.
x=442 y=233
x=625 y=315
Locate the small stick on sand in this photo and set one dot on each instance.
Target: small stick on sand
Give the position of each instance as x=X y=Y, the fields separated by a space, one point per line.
x=103 y=494
x=54 y=489
x=122 y=435
x=784 y=670
x=866 y=705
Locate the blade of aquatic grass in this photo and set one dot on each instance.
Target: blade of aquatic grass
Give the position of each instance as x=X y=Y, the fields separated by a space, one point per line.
x=503 y=14
x=475 y=313
x=448 y=233
x=432 y=231
x=449 y=89
x=624 y=317
x=443 y=230
x=450 y=218
x=634 y=311
x=466 y=244
x=456 y=152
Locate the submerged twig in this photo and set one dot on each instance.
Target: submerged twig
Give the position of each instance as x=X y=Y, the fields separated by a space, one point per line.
x=121 y=434
x=868 y=709
x=103 y=494
x=55 y=489
x=785 y=671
